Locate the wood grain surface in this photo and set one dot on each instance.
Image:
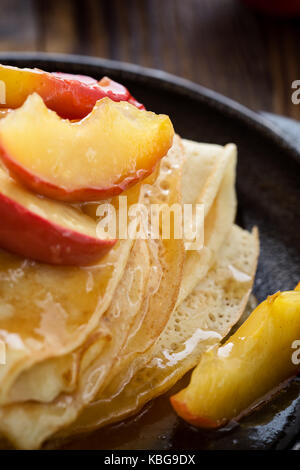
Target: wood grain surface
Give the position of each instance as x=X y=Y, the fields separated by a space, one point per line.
x=221 y=44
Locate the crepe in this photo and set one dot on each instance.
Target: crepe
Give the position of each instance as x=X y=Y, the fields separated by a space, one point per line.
x=214 y=168
x=208 y=179
x=57 y=371
x=61 y=374
x=209 y=164
x=202 y=320
x=156 y=308
x=47 y=311
x=28 y=424
x=155 y=311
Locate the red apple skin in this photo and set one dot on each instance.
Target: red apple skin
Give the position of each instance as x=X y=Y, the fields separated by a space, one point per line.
x=33 y=182
x=27 y=234
x=199 y=421
x=71 y=96
x=77 y=95
x=81 y=78
x=108 y=84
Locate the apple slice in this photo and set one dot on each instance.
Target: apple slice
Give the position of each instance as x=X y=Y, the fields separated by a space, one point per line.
x=114 y=147
x=71 y=96
x=45 y=230
x=253 y=363
x=110 y=87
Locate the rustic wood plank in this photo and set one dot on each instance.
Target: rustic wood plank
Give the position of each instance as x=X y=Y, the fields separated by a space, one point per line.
x=56 y=29
x=18 y=27
x=283 y=39
x=98 y=39
x=220 y=44
x=193 y=39
x=225 y=50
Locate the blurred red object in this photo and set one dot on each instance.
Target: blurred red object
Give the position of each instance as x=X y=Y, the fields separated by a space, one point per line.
x=278 y=7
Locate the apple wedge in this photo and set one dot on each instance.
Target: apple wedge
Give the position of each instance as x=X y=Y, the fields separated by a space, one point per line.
x=259 y=358
x=109 y=86
x=114 y=147
x=44 y=230
x=71 y=96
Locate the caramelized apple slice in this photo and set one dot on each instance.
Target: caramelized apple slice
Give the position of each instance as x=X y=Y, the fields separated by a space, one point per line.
x=80 y=78
x=45 y=230
x=232 y=379
x=71 y=96
x=112 y=89
x=114 y=147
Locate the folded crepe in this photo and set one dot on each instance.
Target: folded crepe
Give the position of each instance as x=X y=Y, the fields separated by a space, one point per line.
x=203 y=319
x=208 y=179
x=28 y=424
x=90 y=346
x=214 y=292
x=62 y=370
x=215 y=190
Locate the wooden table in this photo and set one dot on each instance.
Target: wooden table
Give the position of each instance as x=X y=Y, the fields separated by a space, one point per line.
x=220 y=44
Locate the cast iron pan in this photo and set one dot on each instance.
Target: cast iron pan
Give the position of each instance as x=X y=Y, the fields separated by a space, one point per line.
x=268 y=184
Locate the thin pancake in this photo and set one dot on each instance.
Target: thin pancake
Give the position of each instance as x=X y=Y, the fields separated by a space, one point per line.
x=216 y=190
x=203 y=319
x=28 y=424
x=208 y=178
x=162 y=289
x=48 y=311
x=62 y=366
x=61 y=374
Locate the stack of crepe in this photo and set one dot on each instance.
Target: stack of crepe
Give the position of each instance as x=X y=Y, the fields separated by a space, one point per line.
x=89 y=346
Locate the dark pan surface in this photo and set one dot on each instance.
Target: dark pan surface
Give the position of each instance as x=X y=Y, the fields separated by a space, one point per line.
x=268 y=183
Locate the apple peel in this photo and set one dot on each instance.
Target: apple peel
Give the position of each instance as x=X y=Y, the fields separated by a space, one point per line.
x=45 y=230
